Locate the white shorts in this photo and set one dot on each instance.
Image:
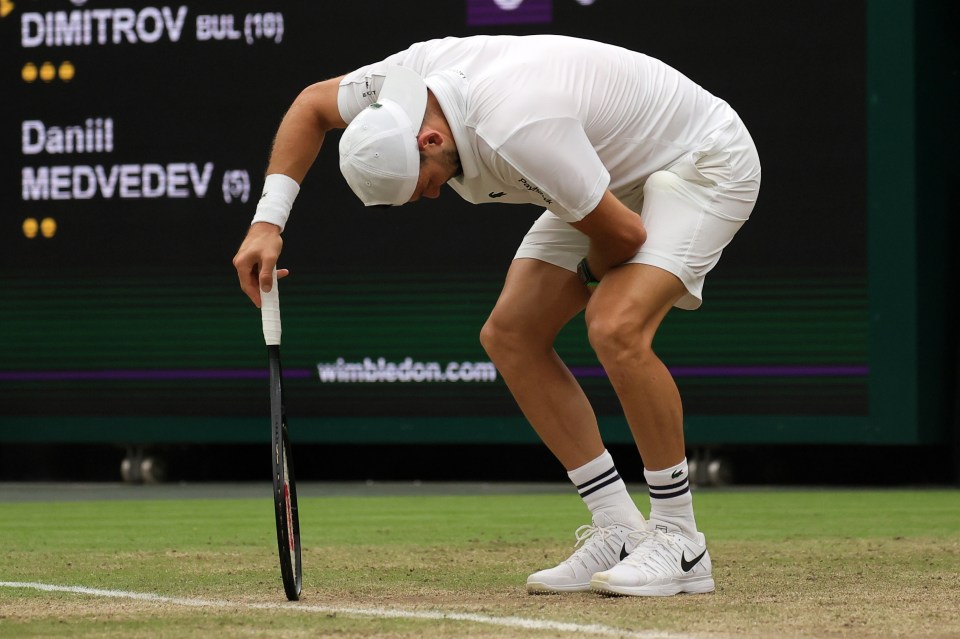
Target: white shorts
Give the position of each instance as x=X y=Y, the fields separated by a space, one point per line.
x=691 y=210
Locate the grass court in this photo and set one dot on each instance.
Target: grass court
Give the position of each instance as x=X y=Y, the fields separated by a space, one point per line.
x=424 y=562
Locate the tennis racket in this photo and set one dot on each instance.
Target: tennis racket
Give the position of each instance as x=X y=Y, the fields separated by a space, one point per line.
x=284 y=485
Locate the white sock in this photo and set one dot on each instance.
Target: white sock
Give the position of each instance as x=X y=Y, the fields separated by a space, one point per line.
x=603 y=491
x=671 y=502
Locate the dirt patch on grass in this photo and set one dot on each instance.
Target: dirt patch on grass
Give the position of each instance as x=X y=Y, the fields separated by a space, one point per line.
x=799 y=588
x=836 y=588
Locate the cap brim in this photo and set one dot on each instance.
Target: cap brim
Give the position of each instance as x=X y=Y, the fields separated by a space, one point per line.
x=406 y=88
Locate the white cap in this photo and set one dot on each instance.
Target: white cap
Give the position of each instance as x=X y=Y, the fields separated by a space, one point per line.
x=379 y=156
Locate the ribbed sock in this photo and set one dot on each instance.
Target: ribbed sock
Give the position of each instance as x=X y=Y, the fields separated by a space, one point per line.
x=602 y=490
x=671 y=501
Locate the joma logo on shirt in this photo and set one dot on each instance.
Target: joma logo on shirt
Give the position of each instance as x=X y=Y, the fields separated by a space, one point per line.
x=535 y=189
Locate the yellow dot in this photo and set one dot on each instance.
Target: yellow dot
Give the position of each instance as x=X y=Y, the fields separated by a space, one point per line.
x=48 y=227
x=47 y=71
x=29 y=72
x=30 y=227
x=67 y=71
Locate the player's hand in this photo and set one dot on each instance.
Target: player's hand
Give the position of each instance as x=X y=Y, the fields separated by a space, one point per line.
x=257 y=258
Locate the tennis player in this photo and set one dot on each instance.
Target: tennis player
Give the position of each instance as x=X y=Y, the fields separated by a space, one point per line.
x=645 y=178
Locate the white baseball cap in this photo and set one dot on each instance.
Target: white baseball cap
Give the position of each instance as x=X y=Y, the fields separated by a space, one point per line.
x=379 y=156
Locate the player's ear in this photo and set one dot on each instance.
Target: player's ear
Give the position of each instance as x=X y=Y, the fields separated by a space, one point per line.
x=429 y=137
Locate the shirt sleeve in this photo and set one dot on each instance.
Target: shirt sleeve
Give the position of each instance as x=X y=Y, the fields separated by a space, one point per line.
x=559 y=164
x=359 y=88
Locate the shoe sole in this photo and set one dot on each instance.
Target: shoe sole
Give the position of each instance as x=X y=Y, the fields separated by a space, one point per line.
x=540 y=588
x=695 y=586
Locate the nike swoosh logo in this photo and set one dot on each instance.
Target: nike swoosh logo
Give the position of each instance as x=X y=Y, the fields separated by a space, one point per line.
x=687 y=566
x=623 y=553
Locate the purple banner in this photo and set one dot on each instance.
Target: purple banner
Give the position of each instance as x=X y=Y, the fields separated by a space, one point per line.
x=825 y=370
x=127 y=375
x=484 y=12
x=813 y=370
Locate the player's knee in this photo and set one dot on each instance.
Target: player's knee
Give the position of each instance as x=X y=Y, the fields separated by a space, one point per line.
x=495 y=338
x=488 y=335
x=618 y=341
x=502 y=340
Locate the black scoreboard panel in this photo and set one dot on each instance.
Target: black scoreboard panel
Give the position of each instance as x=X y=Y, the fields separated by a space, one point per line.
x=134 y=142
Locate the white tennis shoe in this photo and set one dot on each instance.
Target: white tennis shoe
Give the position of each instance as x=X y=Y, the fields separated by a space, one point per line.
x=664 y=562
x=599 y=546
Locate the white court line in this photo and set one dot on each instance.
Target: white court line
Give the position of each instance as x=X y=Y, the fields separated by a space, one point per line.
x=384 y=613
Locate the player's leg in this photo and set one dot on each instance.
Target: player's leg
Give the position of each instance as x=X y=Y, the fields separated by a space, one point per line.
x=537 y=300
x=623 y=317
x=622 y=320
x=691 y=213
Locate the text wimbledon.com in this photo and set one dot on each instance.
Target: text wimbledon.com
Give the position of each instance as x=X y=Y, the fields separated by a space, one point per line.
x=370 y=370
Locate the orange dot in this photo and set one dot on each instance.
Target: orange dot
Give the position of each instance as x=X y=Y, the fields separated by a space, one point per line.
x=48 y=227
x=67 y=71
x=30 y=228
x=29 y=72
x=47 y=71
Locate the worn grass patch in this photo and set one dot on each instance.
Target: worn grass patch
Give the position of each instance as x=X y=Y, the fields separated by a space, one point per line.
x=787 y=563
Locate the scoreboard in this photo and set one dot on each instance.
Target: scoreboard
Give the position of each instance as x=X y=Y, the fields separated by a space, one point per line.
x=135 y=139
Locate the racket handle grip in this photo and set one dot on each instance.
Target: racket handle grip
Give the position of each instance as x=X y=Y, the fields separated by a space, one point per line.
x=270 y=313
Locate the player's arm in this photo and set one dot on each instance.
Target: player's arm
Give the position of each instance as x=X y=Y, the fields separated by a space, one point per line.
x=556 y=154
x=616 y=234
x=301 y=133
x=313 y=113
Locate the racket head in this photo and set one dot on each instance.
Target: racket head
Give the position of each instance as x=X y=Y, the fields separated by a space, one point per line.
x=284 y=484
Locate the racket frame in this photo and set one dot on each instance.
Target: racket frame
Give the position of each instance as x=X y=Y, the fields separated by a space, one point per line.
x=284 y=481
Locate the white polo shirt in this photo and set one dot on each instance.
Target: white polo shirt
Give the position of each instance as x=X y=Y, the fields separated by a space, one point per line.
x=553 y=120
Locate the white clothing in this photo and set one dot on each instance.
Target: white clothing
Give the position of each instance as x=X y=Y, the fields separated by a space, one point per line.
x=556 y=121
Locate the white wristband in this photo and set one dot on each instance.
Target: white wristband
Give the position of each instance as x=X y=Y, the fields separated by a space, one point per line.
x=279 y=192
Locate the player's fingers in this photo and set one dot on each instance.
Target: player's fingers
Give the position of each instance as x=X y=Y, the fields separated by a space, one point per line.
x=266 y=273
x=247 y=274
x=257 y=258
x=251 y=286
x=282 y=272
